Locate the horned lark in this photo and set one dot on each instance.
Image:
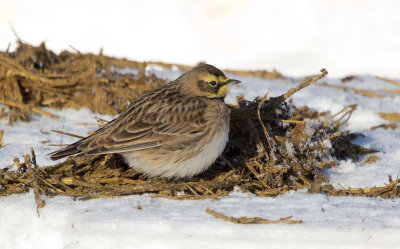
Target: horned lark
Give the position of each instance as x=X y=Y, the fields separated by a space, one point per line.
x=175 y=131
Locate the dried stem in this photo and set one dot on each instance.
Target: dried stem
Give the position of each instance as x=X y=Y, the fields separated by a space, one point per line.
x=28 y=108
x=251 y=220
x=275 y=102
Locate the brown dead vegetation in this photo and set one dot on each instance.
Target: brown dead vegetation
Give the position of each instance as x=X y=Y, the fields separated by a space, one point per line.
x=274 y=147
x=251 y=220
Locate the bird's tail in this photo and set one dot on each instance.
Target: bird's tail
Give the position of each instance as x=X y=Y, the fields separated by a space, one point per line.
x=67 y=151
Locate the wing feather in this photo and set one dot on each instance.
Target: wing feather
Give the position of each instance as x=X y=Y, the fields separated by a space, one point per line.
x=151 y=120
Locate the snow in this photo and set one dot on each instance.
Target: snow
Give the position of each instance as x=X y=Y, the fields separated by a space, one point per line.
x=328 y=222
x=295 y=37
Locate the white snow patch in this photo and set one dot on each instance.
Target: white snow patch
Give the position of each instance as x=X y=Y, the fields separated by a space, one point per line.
x=289 y=148
x=124 y=70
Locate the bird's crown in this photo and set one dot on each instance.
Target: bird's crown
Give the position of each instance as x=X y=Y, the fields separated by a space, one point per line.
x=210 y=81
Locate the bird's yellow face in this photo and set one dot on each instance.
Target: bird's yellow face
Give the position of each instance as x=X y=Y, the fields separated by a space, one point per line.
x=214 y=86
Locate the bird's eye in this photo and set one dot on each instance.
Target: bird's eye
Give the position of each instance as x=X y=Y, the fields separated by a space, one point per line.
x=212 y=83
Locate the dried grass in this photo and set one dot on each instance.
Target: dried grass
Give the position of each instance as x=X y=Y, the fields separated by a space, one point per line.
x=392 y=82
x=273 y=148
x=371 y=159
x=32 y=77
x=1 y=139
x=391 y=190
x=385 y=126
x=251 y=220
x=390 y=116
x=367 y=93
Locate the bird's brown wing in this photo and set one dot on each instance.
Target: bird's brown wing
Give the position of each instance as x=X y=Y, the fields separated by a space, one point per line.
x=149 y=128
x=139 y=136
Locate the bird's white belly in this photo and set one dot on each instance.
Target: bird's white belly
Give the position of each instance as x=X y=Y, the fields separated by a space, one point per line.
x=182 y=169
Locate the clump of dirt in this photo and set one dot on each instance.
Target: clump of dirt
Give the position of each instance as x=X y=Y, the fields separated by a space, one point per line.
x=274 y=147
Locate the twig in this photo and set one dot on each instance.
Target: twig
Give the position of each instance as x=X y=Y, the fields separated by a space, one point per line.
x=251 y=220
x=388 y=90
x=86 y=124
x=252 y=170
x=35 y=182
x=191 y=189
x=289 y=121
x=145 y=187
x=347 y=113
x=1 y=139
x=390 y=116
x=76 y=50
x=29 y=109
x=78 y=181
x=225 y=160
x=101 y=121
x=275 y=102
x=356 y=91
x=62 y=129
x=14 y=32
x=264 y=129
x=68 y=134
x=388 y=81
x=8 y=48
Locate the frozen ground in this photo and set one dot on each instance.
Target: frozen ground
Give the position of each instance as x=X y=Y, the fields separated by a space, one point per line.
x=328 y=222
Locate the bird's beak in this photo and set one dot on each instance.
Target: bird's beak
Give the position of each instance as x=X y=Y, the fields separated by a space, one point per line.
x=232 y=82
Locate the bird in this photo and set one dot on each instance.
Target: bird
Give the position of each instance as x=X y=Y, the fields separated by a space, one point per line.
x=175 y=131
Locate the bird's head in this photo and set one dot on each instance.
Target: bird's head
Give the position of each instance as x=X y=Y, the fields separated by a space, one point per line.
x=207 y=81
